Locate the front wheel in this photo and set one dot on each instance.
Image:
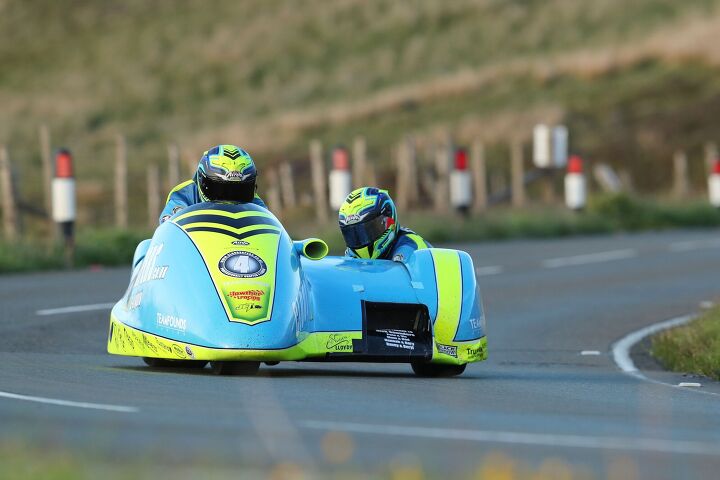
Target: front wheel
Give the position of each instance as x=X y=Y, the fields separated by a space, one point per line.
x=235 y=368
x=424 y=369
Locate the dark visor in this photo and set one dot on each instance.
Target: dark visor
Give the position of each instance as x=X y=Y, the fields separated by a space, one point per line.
x=243 y=192
x=362 y=234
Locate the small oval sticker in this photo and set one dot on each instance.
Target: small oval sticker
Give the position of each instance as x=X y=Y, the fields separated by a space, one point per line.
x=242 y=265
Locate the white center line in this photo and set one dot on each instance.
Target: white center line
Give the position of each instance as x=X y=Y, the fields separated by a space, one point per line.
x=689 y=245
x=489 y=270
x=75 y=309
x=526 y=438
x=589 y=258
x=69 y=403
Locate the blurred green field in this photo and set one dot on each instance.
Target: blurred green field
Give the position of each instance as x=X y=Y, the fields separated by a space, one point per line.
x=635 y=80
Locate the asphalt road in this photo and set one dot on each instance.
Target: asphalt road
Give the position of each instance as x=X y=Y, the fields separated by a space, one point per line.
x=537 y=404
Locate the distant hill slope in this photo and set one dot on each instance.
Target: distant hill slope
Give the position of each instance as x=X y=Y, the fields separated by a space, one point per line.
x=268 y=74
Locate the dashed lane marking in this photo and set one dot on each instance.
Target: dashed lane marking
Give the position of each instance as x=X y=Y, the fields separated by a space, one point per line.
x=585 y=259
x=69 y=403
x=489 y=270
x=75 y=309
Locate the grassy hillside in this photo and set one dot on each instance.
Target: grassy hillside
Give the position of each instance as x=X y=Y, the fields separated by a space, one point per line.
x=635 y=79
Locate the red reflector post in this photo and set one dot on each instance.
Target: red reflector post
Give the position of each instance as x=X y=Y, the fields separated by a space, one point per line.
x=716 y=167
x=461 y=159
x=63 y=164
x=340 y=159
x=575 y=164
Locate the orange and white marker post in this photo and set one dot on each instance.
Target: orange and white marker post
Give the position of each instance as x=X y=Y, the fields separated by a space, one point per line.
x=461 y=183
x=340 y=178
x=64 y=201
x=575 y=184
x=714 y=184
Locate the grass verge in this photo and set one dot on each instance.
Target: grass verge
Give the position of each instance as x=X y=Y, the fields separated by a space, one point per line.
x=605 y=214
x=692 y=348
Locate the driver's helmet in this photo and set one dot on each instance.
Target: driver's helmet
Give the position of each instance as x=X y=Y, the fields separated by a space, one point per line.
x=226 y=173
x=368 y=222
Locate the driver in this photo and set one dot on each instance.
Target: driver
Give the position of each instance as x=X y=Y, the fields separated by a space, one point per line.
x=226 y=173
x=368 y=222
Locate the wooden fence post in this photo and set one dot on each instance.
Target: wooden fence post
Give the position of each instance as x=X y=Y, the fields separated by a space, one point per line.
x=287 y=188
x=10 y=218
x=442 y=181
x=121 y=194
x=479 y=173
x=319 y=179
x=153 y=192
x=680 y=175
x=711 y=154
x=517 y=169
x=173 y=166
x=359 y=163
x=273 y=193
x=47 y=172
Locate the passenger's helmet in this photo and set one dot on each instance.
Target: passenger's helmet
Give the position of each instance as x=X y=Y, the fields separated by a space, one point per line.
x=368 y=222
x=226 y=173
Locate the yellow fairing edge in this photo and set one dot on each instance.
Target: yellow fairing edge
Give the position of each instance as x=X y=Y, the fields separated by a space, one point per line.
x=125 y=340
x=223 y=214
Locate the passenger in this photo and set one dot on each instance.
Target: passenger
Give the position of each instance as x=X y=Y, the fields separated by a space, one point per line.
x=225 y=173
x=369 y=225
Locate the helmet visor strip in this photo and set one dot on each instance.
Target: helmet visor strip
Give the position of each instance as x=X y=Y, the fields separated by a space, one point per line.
x=362 y=234
x=243 y=192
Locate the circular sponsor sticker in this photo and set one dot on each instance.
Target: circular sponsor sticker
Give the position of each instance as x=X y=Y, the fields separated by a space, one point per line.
x=242 y=265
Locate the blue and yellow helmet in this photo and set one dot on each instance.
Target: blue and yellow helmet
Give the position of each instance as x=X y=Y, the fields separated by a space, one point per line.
x=226 y=173
x=368 y=222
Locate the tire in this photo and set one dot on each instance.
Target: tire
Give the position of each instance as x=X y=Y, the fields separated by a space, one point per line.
x=235 y=368
x=164 y=363
x=424 y=369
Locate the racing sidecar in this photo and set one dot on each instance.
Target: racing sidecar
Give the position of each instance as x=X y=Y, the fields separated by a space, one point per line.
x=224 y=283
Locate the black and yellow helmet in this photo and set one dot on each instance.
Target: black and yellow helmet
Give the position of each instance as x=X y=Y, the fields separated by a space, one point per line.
x=226 y=173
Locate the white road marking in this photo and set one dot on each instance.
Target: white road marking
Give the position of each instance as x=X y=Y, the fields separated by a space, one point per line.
x=525 y=438
x=690 y=245
x=489 y=270
x=689 y=384
x=589 y=258
x=621 y=349
x=75 y=309
x=68 y=403
x=590 y=352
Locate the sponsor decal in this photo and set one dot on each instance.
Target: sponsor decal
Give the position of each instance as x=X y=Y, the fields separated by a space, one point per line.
x=177 y=209
x=189 y=351
x=134 y=301
x=236 y=174
x=399 y=258
x=240 y=243
x=247 y=301
x=475 y=352
x=147 y=340
x=254 y=295
x=178 y=351
x=399 y=338
x=171 y=322
x=354 y=218
x=165 y=347
x=165 y=218
x=242 y=264
x=339 y=343
x=475 y=323
x=149 y=270
x=447 y=349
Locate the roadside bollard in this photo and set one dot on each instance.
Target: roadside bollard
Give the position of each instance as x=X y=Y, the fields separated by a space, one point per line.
x=714 y=184
x=461 y=183
x=63 y=201
x=575 y=186
x=340 y=179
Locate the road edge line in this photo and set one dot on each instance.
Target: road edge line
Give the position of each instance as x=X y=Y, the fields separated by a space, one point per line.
x=621 y=349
